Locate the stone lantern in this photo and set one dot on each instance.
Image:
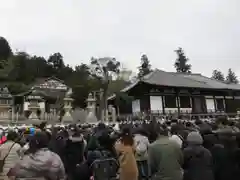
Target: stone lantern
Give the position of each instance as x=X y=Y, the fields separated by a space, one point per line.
x=67 y=107
x=91 y=104
x=91 y=108
x=33 y=106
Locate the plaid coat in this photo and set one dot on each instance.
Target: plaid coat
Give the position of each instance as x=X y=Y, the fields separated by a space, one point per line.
x=43 y=163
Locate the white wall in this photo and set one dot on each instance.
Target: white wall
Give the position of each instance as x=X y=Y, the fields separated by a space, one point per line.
x=156 y=103
x=210 y=105
x=136 y=106
x=25 y=106
x=42 y=106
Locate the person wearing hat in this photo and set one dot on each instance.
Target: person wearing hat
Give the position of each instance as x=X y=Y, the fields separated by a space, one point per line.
x=197 y=159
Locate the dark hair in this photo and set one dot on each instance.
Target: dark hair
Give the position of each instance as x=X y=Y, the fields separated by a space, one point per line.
x=140 y=130
x=188 y=124
x=161 y=130
x=175 y=129
x=101 y=126
x=222 y=120
x=231 y=123
x=126 y=137
x=12 y=136
x=198 y=122
x=38 y=141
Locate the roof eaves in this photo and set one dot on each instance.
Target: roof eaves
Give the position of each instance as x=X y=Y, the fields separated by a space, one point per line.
x=130 y=86
x=149 y=76
x=24 y=93
x=125 y=89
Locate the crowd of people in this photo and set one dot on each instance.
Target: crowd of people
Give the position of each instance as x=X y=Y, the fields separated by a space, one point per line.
x=170 y=149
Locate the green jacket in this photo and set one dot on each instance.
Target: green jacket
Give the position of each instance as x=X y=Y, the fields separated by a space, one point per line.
x=165 y=160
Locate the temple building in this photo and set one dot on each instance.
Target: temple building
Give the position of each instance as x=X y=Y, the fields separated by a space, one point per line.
x=166 y=92
x=5 y=100
x=45 y=96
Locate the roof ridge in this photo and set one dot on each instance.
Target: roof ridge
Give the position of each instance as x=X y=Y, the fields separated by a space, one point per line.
x=149 y=75
x=199 y=74
x=193 y=80
x=214 y=79
x=173 y=74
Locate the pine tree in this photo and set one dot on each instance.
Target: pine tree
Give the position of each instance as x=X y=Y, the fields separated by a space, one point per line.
x=145 y=67
x=5 y=52
x=218 y=75
x=181 y=62
x=231 y=77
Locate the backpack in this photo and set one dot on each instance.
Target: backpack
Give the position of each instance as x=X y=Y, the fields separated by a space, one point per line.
x=104 y=168
x=141 y=148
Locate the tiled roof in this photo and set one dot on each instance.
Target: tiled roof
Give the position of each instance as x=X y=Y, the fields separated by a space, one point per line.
x=44 y=93
x=169 y=79
x=211 y=83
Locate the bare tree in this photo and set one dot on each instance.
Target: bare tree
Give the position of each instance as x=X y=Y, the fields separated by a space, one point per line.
x=104 y=69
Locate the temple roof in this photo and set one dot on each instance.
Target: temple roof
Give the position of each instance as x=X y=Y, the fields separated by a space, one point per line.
x=44 y=93
x=170 y=79
x=47 y=87
x=50 y=83
x=184 y=80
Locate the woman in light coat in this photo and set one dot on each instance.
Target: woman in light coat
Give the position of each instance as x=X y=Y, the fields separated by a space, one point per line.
x=10 y=152
x=126 y=152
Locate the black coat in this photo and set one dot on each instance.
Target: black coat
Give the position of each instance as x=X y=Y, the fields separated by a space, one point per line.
x=226 y=162
x=197 y=163
x=73 y=154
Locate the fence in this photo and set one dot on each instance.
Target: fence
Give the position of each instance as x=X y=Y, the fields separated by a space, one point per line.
x=186 y=116
x=9 y=117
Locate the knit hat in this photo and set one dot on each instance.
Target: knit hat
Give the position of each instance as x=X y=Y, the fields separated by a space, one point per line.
x=194 y=138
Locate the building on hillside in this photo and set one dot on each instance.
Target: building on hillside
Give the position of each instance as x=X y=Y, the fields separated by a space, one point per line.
x=5 y=100
x=166 y=92
x=46 y=95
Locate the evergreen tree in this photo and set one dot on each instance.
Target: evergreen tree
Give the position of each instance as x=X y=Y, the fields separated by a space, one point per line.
x=5 y=52
x=231 y=77
x=145 y=67
x=56 y=61
x=181 y=62
x=218 y=75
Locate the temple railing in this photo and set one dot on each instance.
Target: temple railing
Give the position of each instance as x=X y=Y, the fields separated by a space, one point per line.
x=186 y=116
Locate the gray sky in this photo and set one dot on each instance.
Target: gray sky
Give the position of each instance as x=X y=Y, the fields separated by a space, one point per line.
x=208 y=30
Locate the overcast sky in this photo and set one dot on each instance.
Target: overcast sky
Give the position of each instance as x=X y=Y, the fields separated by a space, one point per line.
x=208 y=30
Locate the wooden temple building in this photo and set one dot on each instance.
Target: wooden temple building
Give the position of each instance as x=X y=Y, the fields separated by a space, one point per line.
x=166 y=92
x=45 y=96
x=6 y=101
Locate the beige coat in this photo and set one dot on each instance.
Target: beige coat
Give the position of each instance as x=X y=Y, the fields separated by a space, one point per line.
x=128 y=165
x=11 y=159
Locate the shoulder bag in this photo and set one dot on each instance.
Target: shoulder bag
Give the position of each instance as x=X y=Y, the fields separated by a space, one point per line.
x=2 y=162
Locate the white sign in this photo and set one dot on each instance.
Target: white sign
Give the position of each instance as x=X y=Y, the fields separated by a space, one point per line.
x=210 y=104
x=156 y=103
x=136 y=106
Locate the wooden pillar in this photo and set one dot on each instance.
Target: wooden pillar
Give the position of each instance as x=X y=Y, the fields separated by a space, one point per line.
x=178 y=103
x=191 y=101
x=215 y=104
x=163 y=104
x=224 y=104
